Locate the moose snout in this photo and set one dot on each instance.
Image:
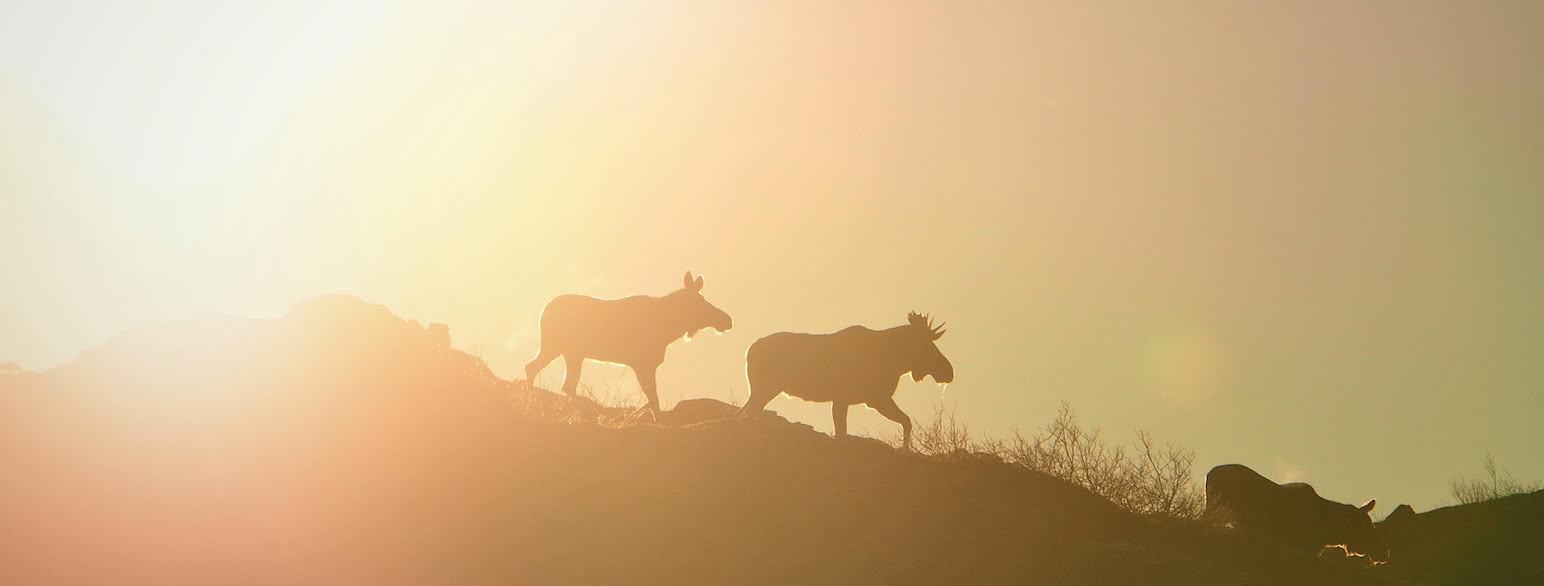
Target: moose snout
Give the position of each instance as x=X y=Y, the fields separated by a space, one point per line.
x=722 y=322
x=945 y=375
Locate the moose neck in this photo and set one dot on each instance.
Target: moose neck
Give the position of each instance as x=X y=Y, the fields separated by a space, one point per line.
x=900 y=345
x=666 y=322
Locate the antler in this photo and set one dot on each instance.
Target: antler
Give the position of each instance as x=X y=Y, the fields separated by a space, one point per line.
x=926 y=323
x=917 y=319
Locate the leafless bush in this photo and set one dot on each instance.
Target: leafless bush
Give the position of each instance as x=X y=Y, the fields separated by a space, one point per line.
x=1497 y=482
x=1144 y=477
x=944 y=435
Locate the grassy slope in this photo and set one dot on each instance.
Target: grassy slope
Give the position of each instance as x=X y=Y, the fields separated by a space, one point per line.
x=341 y=444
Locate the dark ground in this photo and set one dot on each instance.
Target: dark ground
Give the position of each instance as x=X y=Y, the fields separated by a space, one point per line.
x=343 y=445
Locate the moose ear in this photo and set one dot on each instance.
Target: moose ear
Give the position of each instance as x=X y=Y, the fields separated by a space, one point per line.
x=699 y=282
x=1367 y=508
x=687 y=280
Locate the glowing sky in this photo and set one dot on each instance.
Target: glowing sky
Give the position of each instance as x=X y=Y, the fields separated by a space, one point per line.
x=1301 y=236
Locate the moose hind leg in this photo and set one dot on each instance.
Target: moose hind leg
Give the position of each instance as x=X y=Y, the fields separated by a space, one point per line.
x=575 y=364
x=891 y=411
x=646 y=380
x=534 y=367
x=762 y=391
x=760 y=396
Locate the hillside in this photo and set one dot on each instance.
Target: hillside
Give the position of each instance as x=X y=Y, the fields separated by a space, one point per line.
x=341 y=444
x=1493 y=542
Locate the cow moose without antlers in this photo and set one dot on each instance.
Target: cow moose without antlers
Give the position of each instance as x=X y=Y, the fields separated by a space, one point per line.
x=631 y=331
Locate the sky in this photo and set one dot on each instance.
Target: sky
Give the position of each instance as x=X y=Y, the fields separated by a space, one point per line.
x=1299 y=236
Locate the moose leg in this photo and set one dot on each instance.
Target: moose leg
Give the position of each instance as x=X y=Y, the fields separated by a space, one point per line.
x=646 y=380
x=532 y=368
x=762 y=392
x=891 y=411
x=575 y=363
x=839 y=417
x=757 y=402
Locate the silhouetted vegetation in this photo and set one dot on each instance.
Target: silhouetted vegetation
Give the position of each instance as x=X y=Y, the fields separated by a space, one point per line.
x=1496 y=483
x=1142 y=477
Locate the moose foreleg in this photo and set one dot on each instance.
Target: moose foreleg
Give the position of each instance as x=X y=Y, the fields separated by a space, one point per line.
x=891 y=411
x=839 y=418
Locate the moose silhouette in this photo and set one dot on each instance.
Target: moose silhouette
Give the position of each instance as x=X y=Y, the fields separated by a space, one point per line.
x=631 y=331
x=854 y=366
x=1292 y=513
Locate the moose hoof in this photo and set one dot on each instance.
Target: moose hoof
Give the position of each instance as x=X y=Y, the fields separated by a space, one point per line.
x=649 y=411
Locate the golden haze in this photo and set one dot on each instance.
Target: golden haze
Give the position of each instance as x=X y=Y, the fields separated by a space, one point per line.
x=1300 y=235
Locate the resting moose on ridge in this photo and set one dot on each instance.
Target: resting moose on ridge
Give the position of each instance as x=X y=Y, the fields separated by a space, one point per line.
x=1292 y=513
x=631 y=331
x=854 y=366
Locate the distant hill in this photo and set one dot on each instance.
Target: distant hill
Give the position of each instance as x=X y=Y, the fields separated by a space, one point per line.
x=343 y=445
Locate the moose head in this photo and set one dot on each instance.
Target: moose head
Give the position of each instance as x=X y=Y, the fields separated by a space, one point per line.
x=692 y=312
x=923 y=355
x=1354 y=525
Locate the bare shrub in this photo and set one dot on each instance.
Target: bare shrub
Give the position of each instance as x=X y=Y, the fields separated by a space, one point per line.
x=1144 y=477
x=943 y=436
x=1496 y=483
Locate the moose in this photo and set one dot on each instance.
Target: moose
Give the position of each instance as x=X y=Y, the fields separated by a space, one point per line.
x=1293 y=513
x=854 y=366
x=631 y=331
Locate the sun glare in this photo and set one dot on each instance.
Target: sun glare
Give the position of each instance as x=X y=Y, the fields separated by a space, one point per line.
x=170 y=94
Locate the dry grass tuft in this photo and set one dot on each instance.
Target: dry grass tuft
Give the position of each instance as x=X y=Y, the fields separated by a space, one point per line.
x=1498 y=482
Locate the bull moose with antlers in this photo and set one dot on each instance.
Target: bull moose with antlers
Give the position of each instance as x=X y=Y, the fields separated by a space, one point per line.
x=854 y=366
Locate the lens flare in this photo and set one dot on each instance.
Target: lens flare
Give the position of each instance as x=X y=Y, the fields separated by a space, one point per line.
x=1183 y=365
